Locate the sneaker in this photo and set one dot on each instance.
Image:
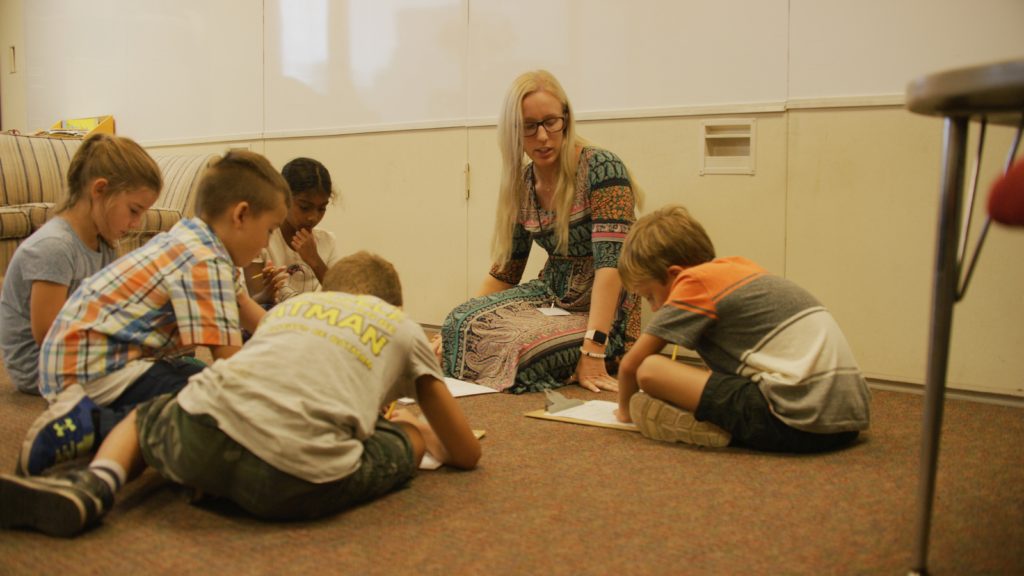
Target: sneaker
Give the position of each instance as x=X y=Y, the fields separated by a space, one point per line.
x=660 y=420
x=61 y=433
x=58 y=506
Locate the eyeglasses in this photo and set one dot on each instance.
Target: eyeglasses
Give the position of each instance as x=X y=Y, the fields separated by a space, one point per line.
x=553 y=124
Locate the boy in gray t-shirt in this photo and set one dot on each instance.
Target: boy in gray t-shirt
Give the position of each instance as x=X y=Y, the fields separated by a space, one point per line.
x=290 y=427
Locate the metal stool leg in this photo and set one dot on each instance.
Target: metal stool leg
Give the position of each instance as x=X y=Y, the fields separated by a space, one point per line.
x=944 y=290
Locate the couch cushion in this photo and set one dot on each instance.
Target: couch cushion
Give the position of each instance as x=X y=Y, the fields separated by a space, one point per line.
x=14 y=223
x=158 y=220
x=181 y=179
x=38 y=213
x=33 y=169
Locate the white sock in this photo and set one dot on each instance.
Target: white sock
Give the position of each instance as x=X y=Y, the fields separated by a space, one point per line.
x=110 y=472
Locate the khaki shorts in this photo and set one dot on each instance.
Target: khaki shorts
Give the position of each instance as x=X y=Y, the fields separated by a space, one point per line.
x=192 y=451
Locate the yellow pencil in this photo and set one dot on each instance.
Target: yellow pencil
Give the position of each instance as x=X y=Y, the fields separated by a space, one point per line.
x=391 y=408
x=675 y=350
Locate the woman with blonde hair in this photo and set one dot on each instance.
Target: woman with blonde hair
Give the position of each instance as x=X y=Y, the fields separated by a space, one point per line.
x=576 y=201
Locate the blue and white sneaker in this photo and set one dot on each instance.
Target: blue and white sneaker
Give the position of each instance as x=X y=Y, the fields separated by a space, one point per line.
x=61 y=433
x=58 y=506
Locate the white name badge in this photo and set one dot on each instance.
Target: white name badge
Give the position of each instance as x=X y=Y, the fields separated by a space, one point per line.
x=552 y=311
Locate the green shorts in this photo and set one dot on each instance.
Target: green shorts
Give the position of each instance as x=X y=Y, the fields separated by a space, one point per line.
x=192 y=451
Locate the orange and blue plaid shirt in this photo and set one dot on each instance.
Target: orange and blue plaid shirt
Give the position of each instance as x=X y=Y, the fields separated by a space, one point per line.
x=174 y=293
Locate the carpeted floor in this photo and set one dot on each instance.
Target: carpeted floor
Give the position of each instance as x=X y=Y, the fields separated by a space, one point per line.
x=558 y=498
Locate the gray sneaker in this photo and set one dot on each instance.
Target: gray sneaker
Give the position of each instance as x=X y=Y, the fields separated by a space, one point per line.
x=58 y=506
x=660 y=420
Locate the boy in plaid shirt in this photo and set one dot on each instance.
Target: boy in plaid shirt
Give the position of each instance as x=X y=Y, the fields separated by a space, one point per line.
x=119 y=339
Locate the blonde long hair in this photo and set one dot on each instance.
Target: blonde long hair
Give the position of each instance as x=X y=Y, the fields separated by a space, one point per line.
x=512 y=194
x=513 y=189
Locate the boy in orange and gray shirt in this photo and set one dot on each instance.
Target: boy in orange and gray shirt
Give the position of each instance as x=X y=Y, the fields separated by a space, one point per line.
x=780 y=375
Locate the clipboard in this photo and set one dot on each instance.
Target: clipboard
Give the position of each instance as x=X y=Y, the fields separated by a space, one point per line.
x=600 y=413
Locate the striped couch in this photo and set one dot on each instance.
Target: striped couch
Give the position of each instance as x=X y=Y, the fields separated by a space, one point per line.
x=32 y=182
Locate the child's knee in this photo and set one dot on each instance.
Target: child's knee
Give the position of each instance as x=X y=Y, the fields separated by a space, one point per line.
x=646 y=371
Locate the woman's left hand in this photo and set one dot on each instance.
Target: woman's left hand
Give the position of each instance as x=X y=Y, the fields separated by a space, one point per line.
x=592 y=375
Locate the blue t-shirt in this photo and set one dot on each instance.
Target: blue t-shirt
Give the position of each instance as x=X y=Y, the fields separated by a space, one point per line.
x=54 y=253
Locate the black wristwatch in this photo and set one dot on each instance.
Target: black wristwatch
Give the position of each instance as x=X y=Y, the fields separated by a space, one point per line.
x=597 y=336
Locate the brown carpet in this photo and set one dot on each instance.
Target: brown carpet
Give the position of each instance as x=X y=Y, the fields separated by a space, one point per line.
x=559 y=498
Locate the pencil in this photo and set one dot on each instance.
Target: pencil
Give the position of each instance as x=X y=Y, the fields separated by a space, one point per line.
x=290 y=270
x=391 y=408
x=675 y=350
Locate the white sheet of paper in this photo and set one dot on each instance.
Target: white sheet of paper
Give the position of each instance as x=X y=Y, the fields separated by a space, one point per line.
x=552 y=311
x=600 y=411
x=462 y=388
x=458 y=388
x=429 y=462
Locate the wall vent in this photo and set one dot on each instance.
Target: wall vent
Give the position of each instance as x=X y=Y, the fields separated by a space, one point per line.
x=728 y=146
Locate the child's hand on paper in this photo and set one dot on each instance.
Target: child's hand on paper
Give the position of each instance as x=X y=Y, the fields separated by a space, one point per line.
x=622 y=416
x=432 y=443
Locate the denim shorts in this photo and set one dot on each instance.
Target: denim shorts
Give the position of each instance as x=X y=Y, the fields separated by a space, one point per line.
x=166 y=376
x=736 y=404
x=192 y=451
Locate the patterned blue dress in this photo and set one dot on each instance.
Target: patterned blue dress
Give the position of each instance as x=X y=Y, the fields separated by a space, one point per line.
x=502 y=340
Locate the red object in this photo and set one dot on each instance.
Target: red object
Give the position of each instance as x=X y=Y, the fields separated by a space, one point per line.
x=1006 y=200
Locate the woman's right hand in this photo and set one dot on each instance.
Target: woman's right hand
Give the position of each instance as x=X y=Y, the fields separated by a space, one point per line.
x=592 y=374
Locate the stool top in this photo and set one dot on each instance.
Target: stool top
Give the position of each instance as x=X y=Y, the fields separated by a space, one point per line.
x=995 y=90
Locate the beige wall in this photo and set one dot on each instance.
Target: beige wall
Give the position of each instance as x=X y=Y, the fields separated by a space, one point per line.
x=13 y=110
x=401 y=196
x=863 y=209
